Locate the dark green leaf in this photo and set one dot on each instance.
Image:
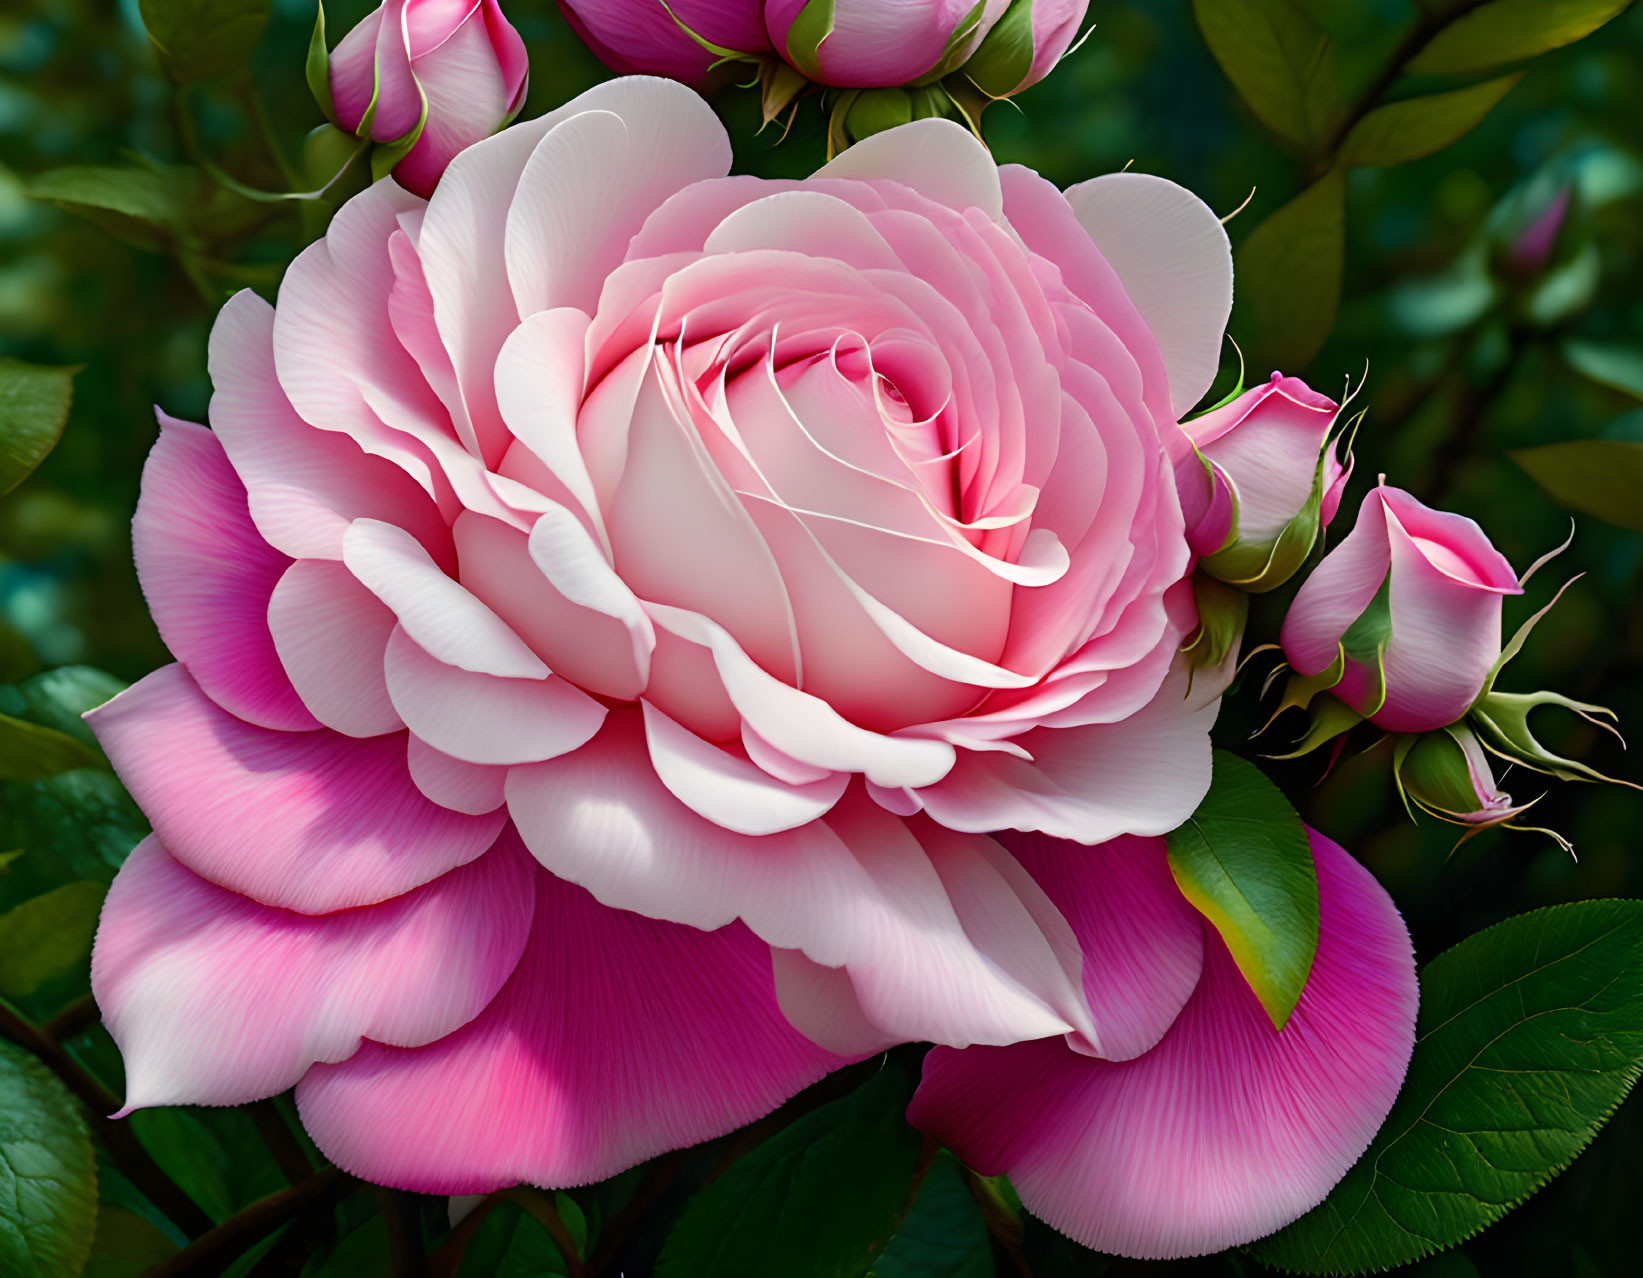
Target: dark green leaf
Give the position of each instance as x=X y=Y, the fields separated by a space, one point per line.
x=142 y=206
x=1617 y=365
x=34 y=405
x=126 y=1245
x=1289 y=277
x=84 y=823
x=202 y=39
x=47 y=935
x=29 y=752
x=216 y=1155
x=1404 y=131
x=1509 y=31
x=1530 y=1034
x=1598 y=477
x=510 y=1244
x=1243 y=859
x=818 y=1200
x=1281 y=62
x=48 y=1175
x=943 y=1235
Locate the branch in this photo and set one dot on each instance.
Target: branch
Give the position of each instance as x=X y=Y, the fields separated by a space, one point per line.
x=539 y=1207
x=212 y=1251
x=128 y=1153
x=78 y=1016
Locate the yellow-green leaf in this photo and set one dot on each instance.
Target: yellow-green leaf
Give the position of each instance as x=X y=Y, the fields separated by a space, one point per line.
x=34 y=405
x=1409 y=130
x=1289 y=277
x=46 y=936
x=1281 y=62
x=1244 y=861
x=1598 y=477
x=1507 y=31
x=30 y=752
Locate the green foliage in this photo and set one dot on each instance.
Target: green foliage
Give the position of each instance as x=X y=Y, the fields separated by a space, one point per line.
x=1598 y=477
x=1243 y=859
x=943 y=1234
x=1617 y=365
x=1289 y=275
x=1283 y=63
x=821 y=1199
x=126 y=1245
x=47 y=935
x=29 y=752
x=204 y=39
x=34 y=404
x=1530 y=1034
x=1402 y=132
x=1506 y=31
x=48 y=1176
x=146 y=207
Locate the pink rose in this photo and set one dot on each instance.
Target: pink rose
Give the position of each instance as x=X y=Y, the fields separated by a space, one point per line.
x=456 y=69
x=1024 y=45
x=1407 y=611
x=1269 y=480
x=642 y=36
x=863 y=44
x=610 y=606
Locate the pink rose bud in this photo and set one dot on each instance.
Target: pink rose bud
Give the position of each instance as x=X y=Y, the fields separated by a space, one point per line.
x=1265 y=481
x=432 y=76
x=1024 y=45
x=1401 y=621
x=676 y=39
x=1446 y=774
x=863 y=44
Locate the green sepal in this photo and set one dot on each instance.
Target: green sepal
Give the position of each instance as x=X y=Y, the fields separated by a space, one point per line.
x=1331 y=718
x=779 y=86
x=318 y=66
x=718 y=50
x=1222 y=614
x=952 y=55
x=811 y=25
x=1503 y=722
x=1002 y=60
x=1300 y=689
x=1366 y=638
x=871 y=111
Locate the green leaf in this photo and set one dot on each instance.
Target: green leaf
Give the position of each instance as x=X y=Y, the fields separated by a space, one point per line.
x=59 y=698
x=215 y=1155
x=47 y=935
x=85 y=821
x=1289 y=276
x=1617 y=365
x=29 y=752
x=509 y=1243
x=820 y=1199
x=48 y=1174
x=1281 y=62
x=1404 y=131
x=1530 y=1034
x=141 y=206
x=1509 y=31
x=1243 y=859
x=126 y=1245
x=34 y=405
x=203 y=39
x=1598 y=477
x=943 y=1235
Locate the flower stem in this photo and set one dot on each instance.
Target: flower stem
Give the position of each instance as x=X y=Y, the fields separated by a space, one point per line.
x=213 y=1250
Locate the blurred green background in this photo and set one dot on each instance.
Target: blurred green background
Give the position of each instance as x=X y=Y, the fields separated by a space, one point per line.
x=1470 y=353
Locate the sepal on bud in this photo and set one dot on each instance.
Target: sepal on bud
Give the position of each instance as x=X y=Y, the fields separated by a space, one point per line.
x=1222 y=613
x=1446 y=774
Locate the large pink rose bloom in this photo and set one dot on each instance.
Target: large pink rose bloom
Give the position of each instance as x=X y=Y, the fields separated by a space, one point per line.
x=612 y=602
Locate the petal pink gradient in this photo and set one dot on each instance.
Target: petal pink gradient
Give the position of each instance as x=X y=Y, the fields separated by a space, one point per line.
x=1225 y=1130
x=745 y=553
x=1445 y=586
x=456 y=66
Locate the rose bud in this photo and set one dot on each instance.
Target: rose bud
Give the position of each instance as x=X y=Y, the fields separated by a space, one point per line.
x=677 y=39
x=1401 y=621
x=863 y=44
x=1266 y=480
x=429 y=77
x=1024 y=45
x=1446 y=774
